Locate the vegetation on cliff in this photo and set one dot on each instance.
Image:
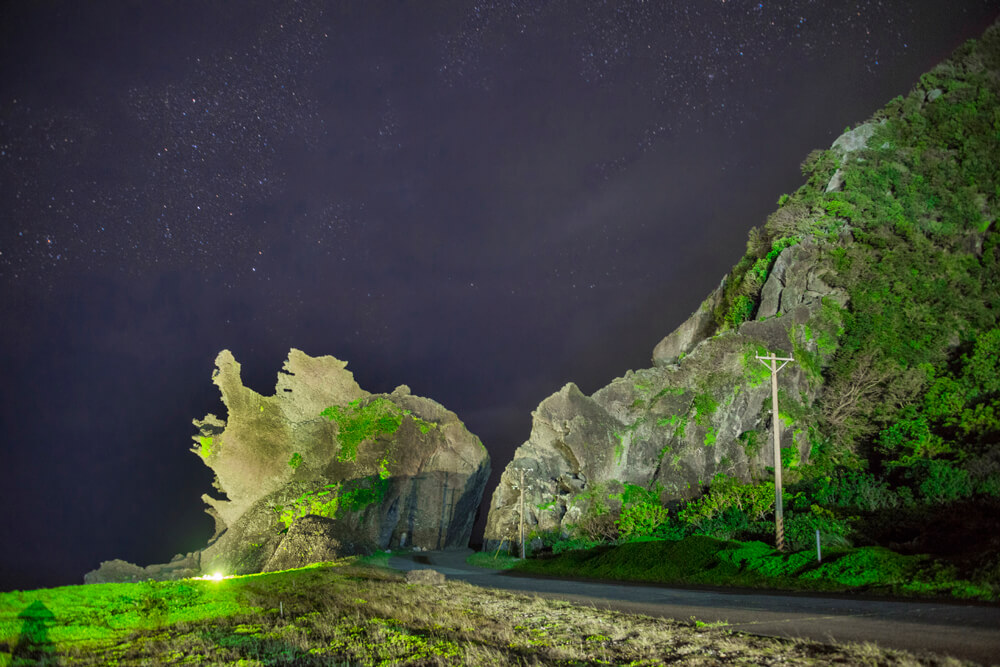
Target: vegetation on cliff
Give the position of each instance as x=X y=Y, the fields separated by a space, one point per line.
x=905 y=434
x=897 y=425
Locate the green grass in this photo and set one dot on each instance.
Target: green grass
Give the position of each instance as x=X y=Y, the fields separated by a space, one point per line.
x=706 y=561
x=493 y=560
x=102 y=612
x=345 y=613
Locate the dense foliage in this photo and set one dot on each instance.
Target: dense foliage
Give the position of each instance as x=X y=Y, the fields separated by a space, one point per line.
x=703 y=560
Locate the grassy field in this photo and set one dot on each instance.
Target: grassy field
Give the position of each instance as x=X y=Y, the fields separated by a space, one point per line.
x=349 y=613
x=701 y=560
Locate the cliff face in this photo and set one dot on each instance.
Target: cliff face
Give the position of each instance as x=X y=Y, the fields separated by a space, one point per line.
x=702 y=409
x=323 y=467
x=874 y=275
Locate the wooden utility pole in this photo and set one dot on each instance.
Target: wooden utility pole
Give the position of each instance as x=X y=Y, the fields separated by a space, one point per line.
x=771 y=361
x=522 y=514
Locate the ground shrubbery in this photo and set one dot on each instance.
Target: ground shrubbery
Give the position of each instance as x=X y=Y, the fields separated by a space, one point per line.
x=857 y=513
x=704 y=560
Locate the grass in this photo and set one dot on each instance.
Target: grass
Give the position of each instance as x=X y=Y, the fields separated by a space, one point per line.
x=706 y=561
x=493 y=560
x=346 y=613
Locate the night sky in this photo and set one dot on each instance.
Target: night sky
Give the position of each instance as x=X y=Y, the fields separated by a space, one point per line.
x=483 y=201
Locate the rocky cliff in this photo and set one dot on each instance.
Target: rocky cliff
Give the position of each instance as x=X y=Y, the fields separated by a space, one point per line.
x=701 y=409
x=323 y=467
x=874 y=275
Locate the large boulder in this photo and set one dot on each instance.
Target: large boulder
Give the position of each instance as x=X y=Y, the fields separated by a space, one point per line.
x=310 y=539
x=378 y=470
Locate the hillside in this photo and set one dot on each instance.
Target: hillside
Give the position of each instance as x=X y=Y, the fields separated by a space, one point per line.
x=879 y=275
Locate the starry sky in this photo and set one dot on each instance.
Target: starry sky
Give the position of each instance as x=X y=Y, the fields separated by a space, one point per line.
x=481 y=200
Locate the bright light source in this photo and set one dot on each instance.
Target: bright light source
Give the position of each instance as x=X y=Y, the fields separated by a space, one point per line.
x=216 y=577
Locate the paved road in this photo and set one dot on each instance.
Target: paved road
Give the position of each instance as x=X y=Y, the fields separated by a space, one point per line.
x=965 y=631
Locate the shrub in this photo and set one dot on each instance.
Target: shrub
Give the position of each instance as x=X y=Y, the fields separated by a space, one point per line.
x=727 y=493
x=641 y=512
x=751 y=441
x=942 y=481
x=741 y=311
x=851 y=489
x=598 y=521
x=573 y=544
x=597 y=527
x=866 y=567
x=725 y=525
x=801 y=527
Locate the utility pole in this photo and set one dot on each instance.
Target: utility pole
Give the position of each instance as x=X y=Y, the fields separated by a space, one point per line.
x=771 y=361
x=522 y=514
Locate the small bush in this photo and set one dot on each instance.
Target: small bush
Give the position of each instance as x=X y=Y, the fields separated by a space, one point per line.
x=942 y=482
x=741 y=311
x=725 y=525
x=642 y=516
x=573 y=544
x=869 y=566
x=729 y=493
x=851 y=489
x=801 y=527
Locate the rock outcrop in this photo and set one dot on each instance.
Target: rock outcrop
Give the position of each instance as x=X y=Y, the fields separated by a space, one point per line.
x=698 y=327
x=425 y=577
x=849 y=142
x=119 y=571
x=702 y=409
x=310 y=539
x=324 y=468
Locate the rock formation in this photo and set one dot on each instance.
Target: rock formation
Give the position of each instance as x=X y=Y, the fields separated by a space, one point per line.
x=425 y=577
x=310 y=539
x=322 y=468
x=865 y=261
x=119 y=571
x=702 y=409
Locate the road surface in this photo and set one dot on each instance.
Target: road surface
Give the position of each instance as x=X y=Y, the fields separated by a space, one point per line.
x=968 y=631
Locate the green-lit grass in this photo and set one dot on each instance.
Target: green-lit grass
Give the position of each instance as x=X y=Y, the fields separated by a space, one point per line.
x=347 y=614
x=379 y=558
x=706 y=561
x=493 y=560
x=102 y=613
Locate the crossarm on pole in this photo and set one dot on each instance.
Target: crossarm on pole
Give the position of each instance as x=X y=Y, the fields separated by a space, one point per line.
x=772 y=359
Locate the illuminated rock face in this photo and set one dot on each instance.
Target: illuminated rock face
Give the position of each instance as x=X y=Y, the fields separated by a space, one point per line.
x=310 y=539
x=702 y=409
x=250 y=451
x=384 y=470
x=389 y=469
